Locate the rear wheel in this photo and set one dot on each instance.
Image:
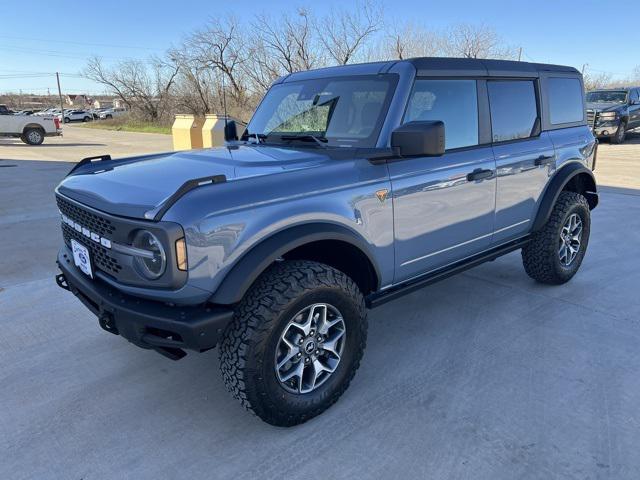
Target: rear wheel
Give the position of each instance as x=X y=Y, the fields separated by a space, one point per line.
x=620 y=134
x=86 y=119
x=555 y=252
x=33 y=136
x=295 y=342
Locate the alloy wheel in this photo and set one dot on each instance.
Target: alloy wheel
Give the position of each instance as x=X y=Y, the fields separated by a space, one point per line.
x=570 y=238
x=310 y=348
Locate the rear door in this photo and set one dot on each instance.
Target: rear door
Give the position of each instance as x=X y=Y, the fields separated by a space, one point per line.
x=523 y=155
x=444 y=206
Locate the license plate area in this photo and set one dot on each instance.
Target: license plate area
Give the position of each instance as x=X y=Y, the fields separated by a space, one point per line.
x=81 y=257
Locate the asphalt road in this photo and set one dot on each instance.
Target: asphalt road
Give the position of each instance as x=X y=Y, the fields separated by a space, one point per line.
x=484 y=375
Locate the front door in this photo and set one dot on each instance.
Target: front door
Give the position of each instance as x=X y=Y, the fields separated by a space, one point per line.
x=443 y=206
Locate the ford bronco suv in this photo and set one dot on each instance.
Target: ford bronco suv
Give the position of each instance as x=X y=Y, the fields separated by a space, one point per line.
x=611 y=113
x=350 y=187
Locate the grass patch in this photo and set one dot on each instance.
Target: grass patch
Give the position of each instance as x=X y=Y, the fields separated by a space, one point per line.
x=125 y=125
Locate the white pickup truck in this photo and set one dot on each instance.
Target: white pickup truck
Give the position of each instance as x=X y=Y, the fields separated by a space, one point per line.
x=29 y=128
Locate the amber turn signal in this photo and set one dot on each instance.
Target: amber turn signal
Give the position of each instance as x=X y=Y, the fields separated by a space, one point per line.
x=181 y=254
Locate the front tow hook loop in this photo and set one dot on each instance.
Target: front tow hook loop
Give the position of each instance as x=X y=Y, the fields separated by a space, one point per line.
x=62 y=281
x=105 y=319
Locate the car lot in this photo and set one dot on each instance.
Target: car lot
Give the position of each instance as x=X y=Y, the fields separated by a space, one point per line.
x=485 y=375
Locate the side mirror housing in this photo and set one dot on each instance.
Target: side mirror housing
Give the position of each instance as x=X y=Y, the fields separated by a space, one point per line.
x=419 y=139
x=230 y=131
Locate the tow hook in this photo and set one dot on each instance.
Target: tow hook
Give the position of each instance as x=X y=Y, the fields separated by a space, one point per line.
x=105 y=319
x=62 y=281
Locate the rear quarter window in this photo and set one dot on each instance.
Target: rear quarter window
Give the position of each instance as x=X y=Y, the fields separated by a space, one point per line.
x=565 y=100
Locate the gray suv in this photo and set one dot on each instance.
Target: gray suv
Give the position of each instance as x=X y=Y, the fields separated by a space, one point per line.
x=351 y=186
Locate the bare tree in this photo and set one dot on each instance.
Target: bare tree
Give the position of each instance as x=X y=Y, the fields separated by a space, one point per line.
x=344 y=33
x=474 y=41
x=144 y=86
x=220 y=46
x=595 y=81
x=409 y=41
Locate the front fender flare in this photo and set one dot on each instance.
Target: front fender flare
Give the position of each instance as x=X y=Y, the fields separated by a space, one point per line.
x=246 y=270
x=559 y=181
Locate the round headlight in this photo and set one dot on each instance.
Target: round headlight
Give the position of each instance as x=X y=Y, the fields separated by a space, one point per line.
x=154 y=263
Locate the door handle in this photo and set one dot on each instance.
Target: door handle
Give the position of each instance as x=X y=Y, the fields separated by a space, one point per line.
x=479 y=174
x=543 y=160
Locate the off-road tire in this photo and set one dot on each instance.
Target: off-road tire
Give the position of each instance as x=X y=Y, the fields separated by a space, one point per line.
x=620 y=135
x=33 y=136
x=540 y=256
x=247 y=351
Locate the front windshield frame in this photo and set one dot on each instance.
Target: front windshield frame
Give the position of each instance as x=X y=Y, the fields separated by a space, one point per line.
x=624 y=93
x=254 y=130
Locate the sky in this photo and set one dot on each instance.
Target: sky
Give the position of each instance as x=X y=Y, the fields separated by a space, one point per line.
x=59 y=36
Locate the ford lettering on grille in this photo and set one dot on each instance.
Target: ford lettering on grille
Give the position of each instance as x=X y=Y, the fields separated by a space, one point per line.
x=105 y=242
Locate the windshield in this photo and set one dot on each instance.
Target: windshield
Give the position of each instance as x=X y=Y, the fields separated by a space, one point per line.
x=340 y=111
x=607 y=97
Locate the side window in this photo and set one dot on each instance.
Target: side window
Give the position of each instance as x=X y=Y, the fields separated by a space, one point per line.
x=635 y=95
x=513 y=109
x=455 y=102
x=565 y=100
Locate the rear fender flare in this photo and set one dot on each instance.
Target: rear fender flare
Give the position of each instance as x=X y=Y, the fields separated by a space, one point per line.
x=555 y=186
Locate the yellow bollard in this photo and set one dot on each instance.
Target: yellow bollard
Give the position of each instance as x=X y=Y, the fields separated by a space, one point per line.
x=187 y=132
x=213 y=130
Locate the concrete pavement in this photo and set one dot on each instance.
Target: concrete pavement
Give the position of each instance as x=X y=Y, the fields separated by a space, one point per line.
x=78 y=142
x=484 y=375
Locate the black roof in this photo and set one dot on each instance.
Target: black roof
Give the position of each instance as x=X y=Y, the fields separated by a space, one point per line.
x=443 y=66
x=439 y=67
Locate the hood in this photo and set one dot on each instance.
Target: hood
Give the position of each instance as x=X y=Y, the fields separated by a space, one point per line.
x=604 y=106
x=131 y=187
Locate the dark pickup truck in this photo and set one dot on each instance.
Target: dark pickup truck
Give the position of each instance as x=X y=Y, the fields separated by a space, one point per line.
x=611 y=113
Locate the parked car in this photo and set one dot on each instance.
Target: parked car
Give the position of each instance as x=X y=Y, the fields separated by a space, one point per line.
x=352 y=186
x=111 y=113
x=5 y=111
x=29 y=128
x=613 y=112
x=77 y=116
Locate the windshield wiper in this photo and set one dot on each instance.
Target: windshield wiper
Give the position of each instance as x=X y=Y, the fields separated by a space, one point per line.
x=320 y=140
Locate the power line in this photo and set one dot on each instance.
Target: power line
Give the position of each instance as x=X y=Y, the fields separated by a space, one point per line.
x=68 y=42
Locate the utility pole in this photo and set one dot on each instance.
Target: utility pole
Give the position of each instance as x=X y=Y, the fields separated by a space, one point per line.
x=520 y=54
x=60 y=95
x=584 y=66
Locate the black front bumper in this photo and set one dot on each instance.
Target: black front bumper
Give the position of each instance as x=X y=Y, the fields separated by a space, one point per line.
x=145 y=323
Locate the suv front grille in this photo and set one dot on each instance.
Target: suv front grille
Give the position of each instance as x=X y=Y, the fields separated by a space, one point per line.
x=99 y=254
x=93 y=222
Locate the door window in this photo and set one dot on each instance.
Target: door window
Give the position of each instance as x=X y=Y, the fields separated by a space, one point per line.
x=513 y=109
x=454 y=102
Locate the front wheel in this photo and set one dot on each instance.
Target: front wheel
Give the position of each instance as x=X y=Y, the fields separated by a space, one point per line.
x=67 y=120
x=555 y=252
x=620 y=134
x=295 y=343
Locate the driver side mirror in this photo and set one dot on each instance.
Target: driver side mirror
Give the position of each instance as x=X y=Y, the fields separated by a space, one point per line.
x=230 y=131
x=419 y=139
